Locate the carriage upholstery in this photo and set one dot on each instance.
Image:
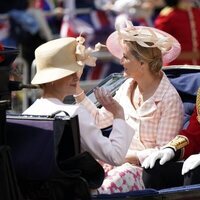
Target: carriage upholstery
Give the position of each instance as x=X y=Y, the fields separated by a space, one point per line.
x=35 y=148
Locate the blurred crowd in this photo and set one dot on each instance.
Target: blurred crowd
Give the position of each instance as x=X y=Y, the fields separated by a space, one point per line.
x=25 y=24
x=28 y=23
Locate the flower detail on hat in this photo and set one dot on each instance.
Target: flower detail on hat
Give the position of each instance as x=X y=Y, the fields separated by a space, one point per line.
x=145 y=35
x=85 y=55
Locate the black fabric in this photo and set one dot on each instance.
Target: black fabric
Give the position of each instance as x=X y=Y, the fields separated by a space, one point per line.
x=67 y=185
x=89 y=168
x=9 y=189
x=163 y=176
x=192 y=177
x=72 y=188
x=8 y=5
x=47 y=159
x=38 y=144
x=172 y=2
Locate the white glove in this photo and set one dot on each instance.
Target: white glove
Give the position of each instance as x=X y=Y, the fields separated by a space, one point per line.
x=190 y=163
x=144 y=154
x=163 y=154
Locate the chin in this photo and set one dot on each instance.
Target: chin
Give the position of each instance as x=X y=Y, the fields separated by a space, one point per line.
x=126 y=75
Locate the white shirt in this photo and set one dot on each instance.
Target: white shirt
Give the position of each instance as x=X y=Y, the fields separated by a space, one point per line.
x=111 y=150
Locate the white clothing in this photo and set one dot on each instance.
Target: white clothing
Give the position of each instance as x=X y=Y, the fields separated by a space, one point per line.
x=111 y=150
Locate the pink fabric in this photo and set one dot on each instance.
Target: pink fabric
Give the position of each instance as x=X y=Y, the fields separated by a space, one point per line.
x=152 y=127
x=113 y=45
x=157 y=121
x=125 y=178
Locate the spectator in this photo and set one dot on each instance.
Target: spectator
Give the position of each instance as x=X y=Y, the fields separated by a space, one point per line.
x=181 y=19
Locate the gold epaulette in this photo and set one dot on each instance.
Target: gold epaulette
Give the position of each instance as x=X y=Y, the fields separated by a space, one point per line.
x=178 y=142
x=198 y=105
x=165 y=11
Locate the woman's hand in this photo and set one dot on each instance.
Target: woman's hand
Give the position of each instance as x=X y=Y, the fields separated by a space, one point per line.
x=132 y=158
x=107 y=167
x=105 y=98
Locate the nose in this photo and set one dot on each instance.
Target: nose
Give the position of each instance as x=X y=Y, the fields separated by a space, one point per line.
x=121 y=61
x=75 y=76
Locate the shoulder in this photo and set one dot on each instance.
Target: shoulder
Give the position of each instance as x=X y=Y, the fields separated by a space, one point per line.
x=81 y=111
x=166 y=11
x=166 y=91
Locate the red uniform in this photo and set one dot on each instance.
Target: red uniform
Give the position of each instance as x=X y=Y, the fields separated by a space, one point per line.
x=193 y=134
x=184 y=25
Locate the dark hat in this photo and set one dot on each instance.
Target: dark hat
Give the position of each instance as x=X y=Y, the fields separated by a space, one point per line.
x=8 y=55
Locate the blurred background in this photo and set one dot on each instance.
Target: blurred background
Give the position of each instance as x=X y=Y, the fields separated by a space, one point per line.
x=26 y=24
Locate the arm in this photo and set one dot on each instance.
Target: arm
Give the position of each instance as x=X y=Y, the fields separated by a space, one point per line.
x=180 y=148
x=171 y=120
x=103 y=118
x=111 y=150
x=193 y=134
x=168 y=152
x=170 y=123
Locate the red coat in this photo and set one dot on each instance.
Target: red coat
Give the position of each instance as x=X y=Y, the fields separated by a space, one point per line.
x=193 y=134
x=176 y=21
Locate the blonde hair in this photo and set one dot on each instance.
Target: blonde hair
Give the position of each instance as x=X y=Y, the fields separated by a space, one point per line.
x=150 y=55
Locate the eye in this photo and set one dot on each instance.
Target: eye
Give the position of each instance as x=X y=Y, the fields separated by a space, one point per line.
x=125 y=57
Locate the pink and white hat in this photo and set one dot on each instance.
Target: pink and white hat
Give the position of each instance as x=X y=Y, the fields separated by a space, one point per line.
x=169 y=46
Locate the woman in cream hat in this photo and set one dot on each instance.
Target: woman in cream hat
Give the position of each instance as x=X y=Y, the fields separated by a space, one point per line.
x=151 y=104
x=58 y=62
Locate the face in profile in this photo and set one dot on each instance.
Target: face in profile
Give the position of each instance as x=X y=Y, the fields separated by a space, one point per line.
x=132 y=66
x=66 y=85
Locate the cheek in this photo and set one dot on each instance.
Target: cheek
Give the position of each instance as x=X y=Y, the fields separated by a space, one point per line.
x=68 y=82
x=127 y=64
x=130 y=66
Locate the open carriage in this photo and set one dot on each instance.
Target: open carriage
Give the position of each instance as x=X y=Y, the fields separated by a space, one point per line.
x=35 y=151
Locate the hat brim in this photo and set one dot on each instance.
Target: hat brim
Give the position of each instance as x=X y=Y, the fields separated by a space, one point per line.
x=115 y=48
x=52 y=74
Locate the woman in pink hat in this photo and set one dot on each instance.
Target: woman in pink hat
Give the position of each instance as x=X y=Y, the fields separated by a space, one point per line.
x=151 y=104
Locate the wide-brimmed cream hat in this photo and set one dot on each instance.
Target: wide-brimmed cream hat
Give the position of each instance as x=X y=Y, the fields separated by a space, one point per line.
x=61 y=57
x=168 y=45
